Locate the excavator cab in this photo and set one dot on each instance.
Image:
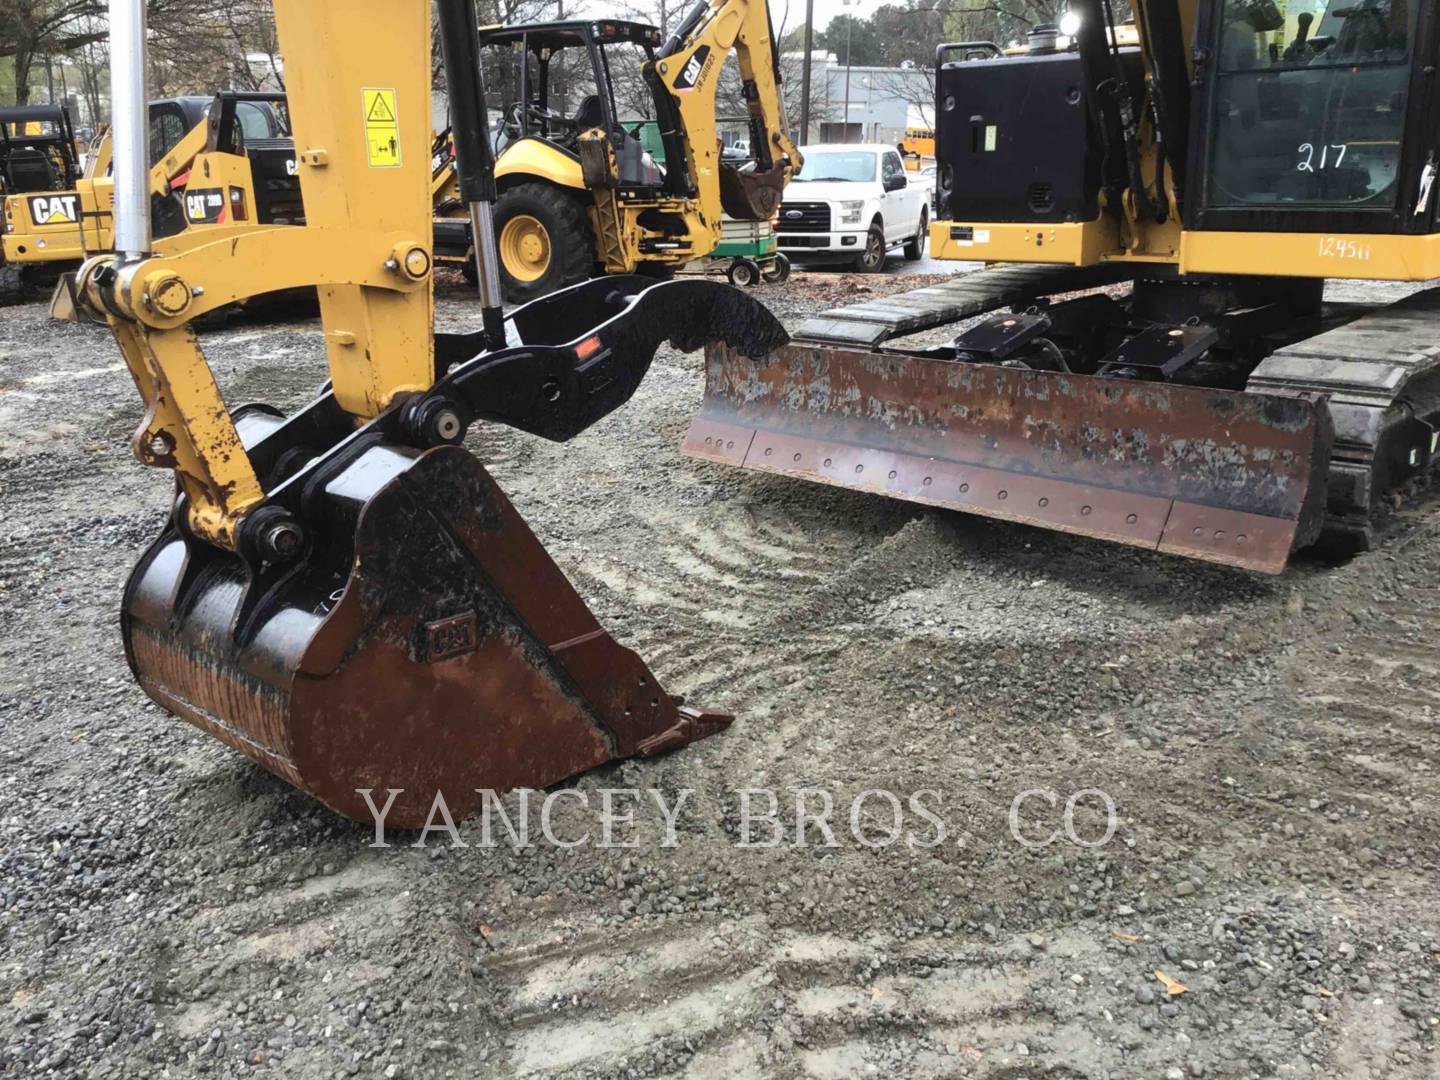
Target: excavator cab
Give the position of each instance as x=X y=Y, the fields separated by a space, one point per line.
x=344 y=594
x=37 y=149
x=1306 y=115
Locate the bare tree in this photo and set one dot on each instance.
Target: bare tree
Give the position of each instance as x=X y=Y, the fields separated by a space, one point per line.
x=913 y=85
x=1001 y=21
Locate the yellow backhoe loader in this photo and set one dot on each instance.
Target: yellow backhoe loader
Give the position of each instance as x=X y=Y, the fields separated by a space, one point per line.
x=1150 y=358
x=578 y=193
x=224 y=161
x=344 y=594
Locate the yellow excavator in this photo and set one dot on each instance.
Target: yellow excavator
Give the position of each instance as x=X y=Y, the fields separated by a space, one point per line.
x=1149 y=358
x=577 y=192
x=344 y=594
x=39 y=164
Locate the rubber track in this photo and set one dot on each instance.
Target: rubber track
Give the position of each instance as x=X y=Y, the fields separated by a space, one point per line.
x=874 y=321
x=1377 y=371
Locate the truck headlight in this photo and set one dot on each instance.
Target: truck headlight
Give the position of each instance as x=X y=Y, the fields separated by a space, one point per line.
x=850 y=212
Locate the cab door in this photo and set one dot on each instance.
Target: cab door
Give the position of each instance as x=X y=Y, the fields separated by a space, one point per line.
x=898 y=199
x=167 y=127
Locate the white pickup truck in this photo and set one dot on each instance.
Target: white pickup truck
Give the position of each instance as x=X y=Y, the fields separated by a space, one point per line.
x=854 y=200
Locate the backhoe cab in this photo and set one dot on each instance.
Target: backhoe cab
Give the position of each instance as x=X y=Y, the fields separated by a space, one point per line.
x=577 y=191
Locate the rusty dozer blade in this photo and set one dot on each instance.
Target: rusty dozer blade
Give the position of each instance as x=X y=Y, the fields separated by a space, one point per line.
x=417 y=636
x=1224 y=476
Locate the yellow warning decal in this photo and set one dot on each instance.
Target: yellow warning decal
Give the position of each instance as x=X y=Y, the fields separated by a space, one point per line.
x=382 y=129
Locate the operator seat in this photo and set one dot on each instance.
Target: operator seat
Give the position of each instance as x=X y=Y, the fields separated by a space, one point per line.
x=588 y=114
x=31 y=170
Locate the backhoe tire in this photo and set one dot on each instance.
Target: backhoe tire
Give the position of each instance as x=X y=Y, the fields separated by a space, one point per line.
x=872 y=259
x=915 y=246
x=545 y=241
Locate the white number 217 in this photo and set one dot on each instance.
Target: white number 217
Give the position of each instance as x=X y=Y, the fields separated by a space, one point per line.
x=1308 y=163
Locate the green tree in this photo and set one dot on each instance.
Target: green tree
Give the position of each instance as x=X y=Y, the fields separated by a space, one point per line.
x=860 y=39
x=33 y=28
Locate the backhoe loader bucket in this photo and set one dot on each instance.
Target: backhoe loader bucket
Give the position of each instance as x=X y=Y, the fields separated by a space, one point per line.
x=1224 y=476
x=421 y=639
x=754 y=195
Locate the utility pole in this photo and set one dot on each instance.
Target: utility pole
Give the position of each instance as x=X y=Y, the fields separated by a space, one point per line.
x=849 y=28
x=805 y=74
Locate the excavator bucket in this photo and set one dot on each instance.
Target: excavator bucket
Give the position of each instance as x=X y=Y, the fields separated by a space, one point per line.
x=1224 y=476
x=424 y=641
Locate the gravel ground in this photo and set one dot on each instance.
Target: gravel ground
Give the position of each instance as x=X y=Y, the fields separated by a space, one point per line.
x=1269 y=746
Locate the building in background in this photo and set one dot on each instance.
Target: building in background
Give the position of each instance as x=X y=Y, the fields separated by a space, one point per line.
x=883 y=101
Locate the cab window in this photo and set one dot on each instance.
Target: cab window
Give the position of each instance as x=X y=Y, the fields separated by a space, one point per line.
x=254 y=120
x=1310 y=103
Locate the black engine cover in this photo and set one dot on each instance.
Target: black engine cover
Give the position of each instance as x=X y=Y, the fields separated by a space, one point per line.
x=1016 y=141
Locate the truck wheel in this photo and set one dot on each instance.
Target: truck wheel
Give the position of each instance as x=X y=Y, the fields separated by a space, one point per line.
x=778 y=272
x=915 y=246
x=544 y=241
x=743 y=272
x=872 y=259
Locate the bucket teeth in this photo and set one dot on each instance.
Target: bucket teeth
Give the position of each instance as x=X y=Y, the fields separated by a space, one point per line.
x=430 y=646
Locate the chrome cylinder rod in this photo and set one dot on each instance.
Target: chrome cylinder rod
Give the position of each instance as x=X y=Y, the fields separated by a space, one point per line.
x=129 y=129
x=487 y=258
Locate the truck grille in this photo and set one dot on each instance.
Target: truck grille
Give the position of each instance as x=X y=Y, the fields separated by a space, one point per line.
x=814 y=217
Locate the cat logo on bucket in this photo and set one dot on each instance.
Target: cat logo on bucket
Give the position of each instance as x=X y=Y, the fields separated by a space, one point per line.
x=54 y=209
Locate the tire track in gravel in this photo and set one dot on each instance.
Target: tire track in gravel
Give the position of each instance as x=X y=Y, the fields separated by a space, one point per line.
x=746 y=998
